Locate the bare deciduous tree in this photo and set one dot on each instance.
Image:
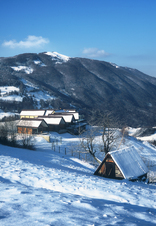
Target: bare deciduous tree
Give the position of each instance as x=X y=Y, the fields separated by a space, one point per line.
x=8 y=132
x=27 y=140
x=88 y=143
x=103 y=125
x=3 y=133
x=107 y=127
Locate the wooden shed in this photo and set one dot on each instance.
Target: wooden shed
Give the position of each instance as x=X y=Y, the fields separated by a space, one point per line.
x=123 y=164
x=31 y=126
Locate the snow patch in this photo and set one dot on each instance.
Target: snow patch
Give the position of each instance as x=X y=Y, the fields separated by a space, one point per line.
x=7 y=89
x=26 y=69
x=5 y=114
x=40 y=63
x=58 y=57
x=115 y=65
x=12 y=98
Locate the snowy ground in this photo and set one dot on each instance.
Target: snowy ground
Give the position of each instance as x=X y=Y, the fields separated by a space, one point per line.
x=5 y=114
x=46 y=188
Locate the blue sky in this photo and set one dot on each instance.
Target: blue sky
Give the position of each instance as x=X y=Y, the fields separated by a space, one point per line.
x=117 y=31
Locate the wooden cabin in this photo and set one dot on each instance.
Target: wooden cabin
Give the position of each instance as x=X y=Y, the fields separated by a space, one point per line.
x=123 y=164
x=54 y=122
x=31 y=126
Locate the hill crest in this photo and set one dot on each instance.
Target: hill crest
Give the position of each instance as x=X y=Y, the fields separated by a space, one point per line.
x=86 y=84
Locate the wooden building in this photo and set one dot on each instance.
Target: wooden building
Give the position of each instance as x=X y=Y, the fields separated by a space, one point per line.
x=32 y=113
x=69 y=111
x=54 y=122
x=57 y=120
x=68 y=117
x=31 y=126
x=122 y=164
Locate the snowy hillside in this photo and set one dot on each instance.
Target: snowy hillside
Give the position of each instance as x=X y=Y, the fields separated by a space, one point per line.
x=83 y=83
x=45 y=188
x=10 y=94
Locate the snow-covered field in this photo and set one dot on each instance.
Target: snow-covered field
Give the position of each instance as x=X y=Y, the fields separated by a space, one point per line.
x=45 y=188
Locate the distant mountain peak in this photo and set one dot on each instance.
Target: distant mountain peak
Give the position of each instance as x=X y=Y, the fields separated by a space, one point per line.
x=58 y=57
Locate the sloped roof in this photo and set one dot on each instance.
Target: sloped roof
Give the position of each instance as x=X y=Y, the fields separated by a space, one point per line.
x=50 y=111
x=65 y=110
x=33 y=112
x=53 y=120
x=129 y=162
x=66 y=116
x=33 y=123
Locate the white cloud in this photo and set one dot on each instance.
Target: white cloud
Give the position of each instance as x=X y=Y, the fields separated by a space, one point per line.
x=94 y=53
x=29 y=42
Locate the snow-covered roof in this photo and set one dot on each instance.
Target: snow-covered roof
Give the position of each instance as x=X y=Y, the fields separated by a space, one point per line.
x=75 y=114
x=53 y=120
x=32 y=112
x=35 y=123
x=65 y=110
x=129 y=162
x=49 y=112
x=69 y=111
x=67 y=117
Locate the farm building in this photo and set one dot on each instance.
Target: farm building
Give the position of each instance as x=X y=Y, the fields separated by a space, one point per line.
x=31 y=126
x=57 y=120
x=72 y=111
x=68 y=117
x=31 y=113
x=54 y=122
x=122 y=164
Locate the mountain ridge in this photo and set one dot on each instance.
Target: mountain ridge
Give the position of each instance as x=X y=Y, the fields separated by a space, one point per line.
x=87 y=84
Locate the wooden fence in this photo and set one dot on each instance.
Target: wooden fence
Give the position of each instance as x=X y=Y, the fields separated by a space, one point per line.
x=82 y=155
